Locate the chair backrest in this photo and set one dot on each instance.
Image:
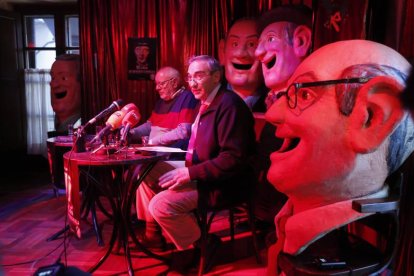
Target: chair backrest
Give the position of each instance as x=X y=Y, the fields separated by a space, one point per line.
x=403 y=260
x=363 y=247
x=259 y=122
x=360 y=248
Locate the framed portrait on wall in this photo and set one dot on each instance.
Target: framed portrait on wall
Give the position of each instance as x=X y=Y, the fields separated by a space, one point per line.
x=142 y=58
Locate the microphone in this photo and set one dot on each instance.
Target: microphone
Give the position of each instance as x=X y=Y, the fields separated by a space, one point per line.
x=130 y=120
x=129 y=107
x=116 y=105
x=114 y=122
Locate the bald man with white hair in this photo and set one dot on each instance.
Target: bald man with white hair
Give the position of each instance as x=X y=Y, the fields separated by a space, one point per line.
x=169 y=125
x=344 y=132
x=173 y=113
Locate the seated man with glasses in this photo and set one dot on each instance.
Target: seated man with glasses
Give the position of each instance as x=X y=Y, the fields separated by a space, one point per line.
x=344 y=132
x=221 y=144
x=173 y=114
x=169 y=125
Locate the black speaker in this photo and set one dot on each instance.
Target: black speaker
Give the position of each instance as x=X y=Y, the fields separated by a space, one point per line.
x=51 y=270
x=59 y=269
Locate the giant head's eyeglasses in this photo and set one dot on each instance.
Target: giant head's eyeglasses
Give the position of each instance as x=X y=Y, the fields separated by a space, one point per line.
x=296 y=90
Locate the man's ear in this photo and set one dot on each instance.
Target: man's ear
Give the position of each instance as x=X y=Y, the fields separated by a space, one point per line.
x=302 y=41
x=376 y=112
x=221 y=51
x=217 y=76
x=176 y=84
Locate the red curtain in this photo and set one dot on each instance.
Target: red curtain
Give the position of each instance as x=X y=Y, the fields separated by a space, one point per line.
x=406 y=29
x=339 y=20
x=184 y=28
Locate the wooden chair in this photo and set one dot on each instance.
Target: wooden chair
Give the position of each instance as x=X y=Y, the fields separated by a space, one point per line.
x=209 y=205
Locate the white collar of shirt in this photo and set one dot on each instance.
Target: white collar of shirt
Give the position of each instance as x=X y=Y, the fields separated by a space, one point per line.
x=304 y=228
x=177 y=92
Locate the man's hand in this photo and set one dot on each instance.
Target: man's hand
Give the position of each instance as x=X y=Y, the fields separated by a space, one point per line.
x=174 y=179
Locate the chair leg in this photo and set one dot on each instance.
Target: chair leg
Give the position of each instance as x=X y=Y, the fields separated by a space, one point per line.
x=55 y=191
x=96 y=227
x=253 y=229
x=203 y=241
x=231 y=222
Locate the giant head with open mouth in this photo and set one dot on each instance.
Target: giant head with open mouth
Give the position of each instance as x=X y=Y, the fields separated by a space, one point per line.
x=65 y=90
x=343 y=125
x=285 y=40
x=242 y=69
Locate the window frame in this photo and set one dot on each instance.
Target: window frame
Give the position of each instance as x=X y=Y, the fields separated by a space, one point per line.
x=59 y=11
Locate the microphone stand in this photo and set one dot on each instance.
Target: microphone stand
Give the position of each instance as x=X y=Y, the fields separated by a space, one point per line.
x=79 y=140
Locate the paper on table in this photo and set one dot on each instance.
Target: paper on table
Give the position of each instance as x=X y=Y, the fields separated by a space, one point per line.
x=160 y=149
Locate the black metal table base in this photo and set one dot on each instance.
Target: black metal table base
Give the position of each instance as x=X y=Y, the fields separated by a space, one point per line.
x=122 y=230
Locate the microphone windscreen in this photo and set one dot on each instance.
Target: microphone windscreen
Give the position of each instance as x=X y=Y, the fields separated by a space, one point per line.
x=129 y=107
x=119 y=103
x=115 y=120
x=131 y=118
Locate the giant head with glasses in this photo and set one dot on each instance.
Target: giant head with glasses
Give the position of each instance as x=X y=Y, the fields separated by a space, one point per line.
x=343 y=126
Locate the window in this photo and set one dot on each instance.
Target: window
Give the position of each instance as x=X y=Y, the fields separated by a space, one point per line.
x=48 y=31
x=41 y=39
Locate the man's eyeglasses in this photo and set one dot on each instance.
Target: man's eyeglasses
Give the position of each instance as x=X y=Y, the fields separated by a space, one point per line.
x=163 y=83
x=197 y=77
x=296 y=95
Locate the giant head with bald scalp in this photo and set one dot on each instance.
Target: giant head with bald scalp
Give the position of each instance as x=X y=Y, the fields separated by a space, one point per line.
x=344 y=132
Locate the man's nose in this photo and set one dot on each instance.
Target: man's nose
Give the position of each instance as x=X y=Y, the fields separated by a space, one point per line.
x=192 y=83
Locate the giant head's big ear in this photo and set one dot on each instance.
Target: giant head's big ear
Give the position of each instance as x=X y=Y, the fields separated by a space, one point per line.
x=302 y=41
x=376 y=112
x=221 y=51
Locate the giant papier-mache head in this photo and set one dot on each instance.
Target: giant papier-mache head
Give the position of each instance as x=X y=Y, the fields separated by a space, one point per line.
x=65 y=87
x=341 y=140
x=285 y=40
x=242 y=69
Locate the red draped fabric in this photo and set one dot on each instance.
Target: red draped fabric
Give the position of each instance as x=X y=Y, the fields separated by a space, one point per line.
x=406 y=31
x=339 y=20
x=184 y=28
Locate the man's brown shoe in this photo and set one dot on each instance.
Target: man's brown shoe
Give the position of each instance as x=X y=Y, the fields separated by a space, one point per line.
x=154 y=244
